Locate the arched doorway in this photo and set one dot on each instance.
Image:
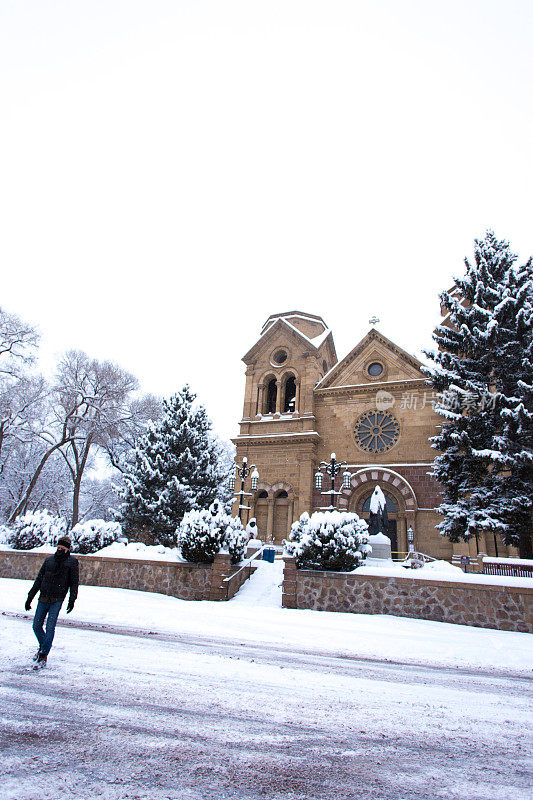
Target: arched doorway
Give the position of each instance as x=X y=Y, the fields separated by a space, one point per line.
x=281 y=516
x=395 y=487
x=392 y=514
x=273 y=508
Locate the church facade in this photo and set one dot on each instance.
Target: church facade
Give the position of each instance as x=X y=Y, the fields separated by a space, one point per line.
x=373 y=409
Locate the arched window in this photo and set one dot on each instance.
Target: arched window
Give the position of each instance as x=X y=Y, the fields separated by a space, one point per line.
x=282 y=495
x=262 y=495
x=271 y=396
x=289 y=402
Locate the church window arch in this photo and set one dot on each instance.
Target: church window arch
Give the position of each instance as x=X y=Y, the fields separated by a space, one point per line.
x=289 y=394
x=262 y=495
x=270 y=395
x=282 y=495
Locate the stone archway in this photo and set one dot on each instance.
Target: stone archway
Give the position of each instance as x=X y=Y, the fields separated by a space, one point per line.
x=396 y=486
x=273 y=508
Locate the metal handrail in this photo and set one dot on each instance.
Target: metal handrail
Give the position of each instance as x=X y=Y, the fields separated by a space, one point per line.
x=244 y=566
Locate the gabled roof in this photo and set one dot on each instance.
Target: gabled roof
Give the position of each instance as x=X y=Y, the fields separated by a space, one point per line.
x=373 y=336
x=284 y=325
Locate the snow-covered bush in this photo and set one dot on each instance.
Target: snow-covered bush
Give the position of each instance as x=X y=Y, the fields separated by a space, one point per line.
x=5 y=535
x=36 y=528
x=92 y=535
x=200 y=538
x=203 y=534
x=330 y=540
x=235 y=539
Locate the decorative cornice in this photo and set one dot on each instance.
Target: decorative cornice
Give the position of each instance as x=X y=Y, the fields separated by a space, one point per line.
x=366 y=388
x=304 y=437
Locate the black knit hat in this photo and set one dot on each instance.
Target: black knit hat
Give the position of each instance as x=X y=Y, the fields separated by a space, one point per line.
x=64 y=542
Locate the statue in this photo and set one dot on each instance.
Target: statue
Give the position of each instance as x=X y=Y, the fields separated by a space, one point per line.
x=378 y=521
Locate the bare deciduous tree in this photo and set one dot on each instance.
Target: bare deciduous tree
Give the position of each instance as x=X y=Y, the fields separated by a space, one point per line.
x=101 y=393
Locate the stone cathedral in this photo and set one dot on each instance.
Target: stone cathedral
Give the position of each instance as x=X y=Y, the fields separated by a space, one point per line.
x=373 y=409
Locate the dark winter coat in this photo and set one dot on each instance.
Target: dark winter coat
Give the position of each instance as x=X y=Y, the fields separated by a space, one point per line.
x=56 y=577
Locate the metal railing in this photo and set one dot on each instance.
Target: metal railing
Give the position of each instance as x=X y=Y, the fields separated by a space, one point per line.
x=247 y=564
x=517 y=570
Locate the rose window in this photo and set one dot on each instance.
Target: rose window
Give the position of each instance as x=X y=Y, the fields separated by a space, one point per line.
x=376 y=431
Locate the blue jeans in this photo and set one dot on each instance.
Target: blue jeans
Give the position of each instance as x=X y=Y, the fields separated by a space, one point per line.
x=46 y=639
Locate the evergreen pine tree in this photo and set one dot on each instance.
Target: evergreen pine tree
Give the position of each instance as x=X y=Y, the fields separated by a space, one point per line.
x=484 y=374
x=178 y=468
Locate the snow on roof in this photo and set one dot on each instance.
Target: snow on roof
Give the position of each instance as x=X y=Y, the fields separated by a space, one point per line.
x=315 y=341
x=298 y=314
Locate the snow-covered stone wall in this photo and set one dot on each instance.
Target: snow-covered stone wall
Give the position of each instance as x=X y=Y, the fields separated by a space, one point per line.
x=478 y=602
x=179 y=579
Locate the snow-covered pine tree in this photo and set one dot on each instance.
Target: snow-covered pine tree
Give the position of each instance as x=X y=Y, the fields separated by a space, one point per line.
x=484 y=374
x=178 y=467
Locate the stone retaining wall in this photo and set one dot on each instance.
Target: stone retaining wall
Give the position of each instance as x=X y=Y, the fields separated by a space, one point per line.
x=182 y=580
x=508 y=608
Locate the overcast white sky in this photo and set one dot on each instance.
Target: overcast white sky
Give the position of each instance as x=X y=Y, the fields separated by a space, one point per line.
x=171 y=173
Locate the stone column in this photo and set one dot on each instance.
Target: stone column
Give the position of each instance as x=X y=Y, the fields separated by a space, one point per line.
x=248 y=396
x=278 y=397
x=260 y=396
x=482 y=541
x=290 y=513
x=270 y=519
x=401 y=533
x=288 y=597
x=297 y=398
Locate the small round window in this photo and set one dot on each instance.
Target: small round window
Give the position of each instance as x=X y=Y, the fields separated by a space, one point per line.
x=375 y=369
x=279 y=357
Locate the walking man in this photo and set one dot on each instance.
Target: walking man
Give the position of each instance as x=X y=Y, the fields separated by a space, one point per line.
x=58 y=575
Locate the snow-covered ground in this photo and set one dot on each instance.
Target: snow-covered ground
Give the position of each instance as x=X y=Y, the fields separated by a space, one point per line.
x=255 y=615
x=245 y=700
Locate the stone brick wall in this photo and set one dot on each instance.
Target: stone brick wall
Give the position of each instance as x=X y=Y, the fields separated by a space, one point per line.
x=482 y=605
x=185 y=581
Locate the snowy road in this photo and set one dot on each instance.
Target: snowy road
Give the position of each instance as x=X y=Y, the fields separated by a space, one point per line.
x=182 y=718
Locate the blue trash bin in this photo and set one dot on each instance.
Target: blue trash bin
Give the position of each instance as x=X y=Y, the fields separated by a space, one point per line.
x=269 y=554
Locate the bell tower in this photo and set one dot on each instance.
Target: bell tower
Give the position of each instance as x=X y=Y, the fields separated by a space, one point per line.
x=278 y=431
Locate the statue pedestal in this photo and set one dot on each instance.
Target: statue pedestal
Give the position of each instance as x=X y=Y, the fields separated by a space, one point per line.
x=381 y=547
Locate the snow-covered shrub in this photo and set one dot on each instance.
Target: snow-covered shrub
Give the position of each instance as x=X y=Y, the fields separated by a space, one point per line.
x=235 y=539
x=36 y=528
x=92 y=535
x=203 y=534
x=199 y=537
x=329 y=540
x=5 y=535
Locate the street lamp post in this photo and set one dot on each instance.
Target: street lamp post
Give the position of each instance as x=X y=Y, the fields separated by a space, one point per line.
x=243 y=473
x=332 y=468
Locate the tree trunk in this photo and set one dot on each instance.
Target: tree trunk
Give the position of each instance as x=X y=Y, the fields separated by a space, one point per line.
x=24 y=502
x=524 y=545
x=77 y=482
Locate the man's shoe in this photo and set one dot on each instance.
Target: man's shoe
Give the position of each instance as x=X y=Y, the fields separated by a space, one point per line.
x=36 y=656
x=41 y=662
